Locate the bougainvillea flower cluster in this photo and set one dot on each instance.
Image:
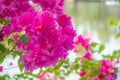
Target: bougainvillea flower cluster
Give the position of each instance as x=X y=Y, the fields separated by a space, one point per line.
x=107 y=71
x=50 y=41
x=49 y=31
x=107 y=68
x=85 y=43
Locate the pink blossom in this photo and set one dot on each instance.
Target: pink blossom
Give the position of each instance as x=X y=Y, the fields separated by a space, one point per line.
x=1 y=68
x=6 y=31
x=106 y=66
x=64 y=20
x=101 y=76
x=82 y=73
x=55 y=6
x=109 y=77
x=12 y=8
x=96 y=78
x=84 y=42
x=46 y=76
x=88 y=55
x=42 y=77
x=116 y=61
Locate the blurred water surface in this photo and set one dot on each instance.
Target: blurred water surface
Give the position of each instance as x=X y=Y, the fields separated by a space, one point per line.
x=93 y=17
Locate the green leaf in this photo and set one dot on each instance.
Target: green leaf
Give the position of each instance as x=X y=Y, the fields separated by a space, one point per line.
x=84 y=67
x=14 y=55
x=1 y=60
x=3 y=21
x=58 y=65
x=77 y=59
x=95 y=73
x=2 y=48
x=76 y=66
x=113 y=22
x=101 y=48
x=119 y=1
x=103 y=78
x=117 y=35
x=24 y=39
x=4 y=77
x=84 y=78
x=94 y=64
x=94 y=44
x=10 y=41
x=85 y=61
x=21 y=67
x=20 y=75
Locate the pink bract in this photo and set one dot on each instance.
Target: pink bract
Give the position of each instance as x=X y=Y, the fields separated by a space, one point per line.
x=55 y=6
x=1 y=68
x=88 y=55
x=13 y=8
x=106 y=66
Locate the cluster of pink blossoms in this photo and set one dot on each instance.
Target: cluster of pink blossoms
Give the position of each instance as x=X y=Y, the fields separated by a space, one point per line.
x=50 y=31
x=85 y=43
x=107 y=69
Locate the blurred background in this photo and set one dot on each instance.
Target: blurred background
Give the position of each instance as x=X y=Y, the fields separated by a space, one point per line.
x=92 y=17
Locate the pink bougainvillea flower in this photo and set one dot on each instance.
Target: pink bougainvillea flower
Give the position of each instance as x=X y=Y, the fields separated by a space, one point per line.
x=47 y=76
x=1 y=68
x=55 y=6
x=49 y=41
x=13 y=8
x=96 y=78
x=84 y=42
x=116 y=61
x=106 y=66
x=88 y=55
x=109 y=77
x=6 y=31
x=42 y=77
x=82 y=73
